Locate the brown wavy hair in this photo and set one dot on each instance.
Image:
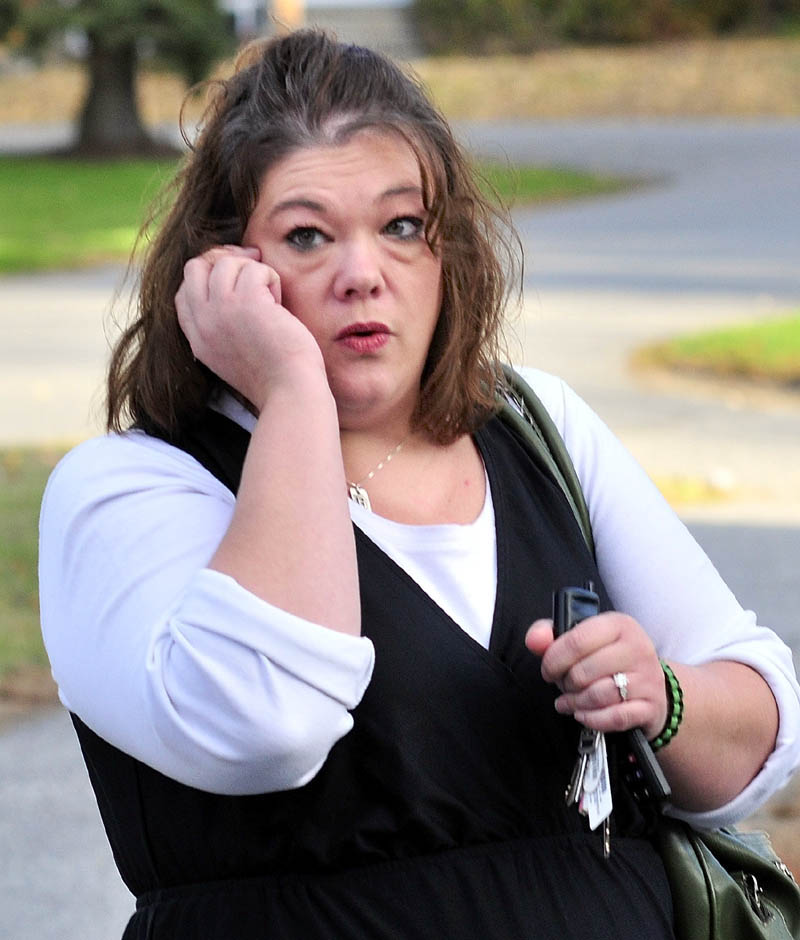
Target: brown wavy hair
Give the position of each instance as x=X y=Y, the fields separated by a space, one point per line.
x=295 y=91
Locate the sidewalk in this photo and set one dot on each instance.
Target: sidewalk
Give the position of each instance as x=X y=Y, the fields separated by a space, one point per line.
x=53 y=354
x=743 y=442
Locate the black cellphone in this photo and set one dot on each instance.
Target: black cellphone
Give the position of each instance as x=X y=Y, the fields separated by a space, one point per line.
x=573 y=604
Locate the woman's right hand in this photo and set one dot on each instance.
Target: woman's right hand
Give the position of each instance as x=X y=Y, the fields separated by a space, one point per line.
x=229 y=307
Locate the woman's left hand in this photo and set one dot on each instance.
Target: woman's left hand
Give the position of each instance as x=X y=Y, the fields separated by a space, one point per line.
x=583 y=662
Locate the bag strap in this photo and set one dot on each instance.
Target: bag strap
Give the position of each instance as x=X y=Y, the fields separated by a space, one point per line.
x=522 y=410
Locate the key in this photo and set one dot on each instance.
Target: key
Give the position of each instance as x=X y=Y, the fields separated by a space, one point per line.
x=573 y=791
x=587 y=745
x=595 y=800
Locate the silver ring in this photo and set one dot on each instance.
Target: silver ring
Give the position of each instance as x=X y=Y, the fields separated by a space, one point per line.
x=621 y=682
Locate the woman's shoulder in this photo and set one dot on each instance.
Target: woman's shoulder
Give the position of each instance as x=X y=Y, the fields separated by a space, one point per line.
x=122 y=462
x=554 y=393
x=116 y=451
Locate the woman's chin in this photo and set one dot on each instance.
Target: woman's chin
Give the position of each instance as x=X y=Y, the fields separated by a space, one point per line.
x=364 y=409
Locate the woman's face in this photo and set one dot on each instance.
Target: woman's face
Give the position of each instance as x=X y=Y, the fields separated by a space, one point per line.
x=343 y=227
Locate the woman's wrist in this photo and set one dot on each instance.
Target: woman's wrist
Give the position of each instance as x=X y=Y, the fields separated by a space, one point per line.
x=300 y=379
x=675 y=708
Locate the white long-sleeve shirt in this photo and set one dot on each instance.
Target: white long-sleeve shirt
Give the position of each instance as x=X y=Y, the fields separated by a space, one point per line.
x=184 y=669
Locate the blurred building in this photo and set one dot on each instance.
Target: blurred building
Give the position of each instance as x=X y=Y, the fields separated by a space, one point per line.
x=250 y=17
x=382 y=24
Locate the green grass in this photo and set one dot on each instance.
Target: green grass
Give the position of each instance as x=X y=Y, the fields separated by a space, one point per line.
x=63 y=213
x=23 y=473
x=529 y=185
x=768 y=350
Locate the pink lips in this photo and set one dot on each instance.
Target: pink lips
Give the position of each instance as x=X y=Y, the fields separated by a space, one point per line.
x=364 y=337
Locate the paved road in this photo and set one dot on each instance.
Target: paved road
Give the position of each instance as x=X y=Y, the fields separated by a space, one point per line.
x=714 y=237
x=57 y=879
x=719 y=215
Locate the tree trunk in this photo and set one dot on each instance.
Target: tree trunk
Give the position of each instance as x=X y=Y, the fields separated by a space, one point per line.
x=110 y=124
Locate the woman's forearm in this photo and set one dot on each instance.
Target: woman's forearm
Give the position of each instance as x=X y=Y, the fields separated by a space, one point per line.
x=290 y=541
x=728 y=731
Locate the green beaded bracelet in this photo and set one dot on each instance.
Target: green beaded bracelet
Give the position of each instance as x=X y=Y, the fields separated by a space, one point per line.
x=675 y=712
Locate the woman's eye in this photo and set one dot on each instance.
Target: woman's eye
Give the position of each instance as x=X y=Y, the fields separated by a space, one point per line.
x=407 y=226
x=305 y=238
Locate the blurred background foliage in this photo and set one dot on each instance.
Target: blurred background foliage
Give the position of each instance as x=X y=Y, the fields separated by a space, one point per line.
x=119 y=42
x=113 y=37
x=481 y=27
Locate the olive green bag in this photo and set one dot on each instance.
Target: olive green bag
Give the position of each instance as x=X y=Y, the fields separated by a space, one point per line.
x=726 y=884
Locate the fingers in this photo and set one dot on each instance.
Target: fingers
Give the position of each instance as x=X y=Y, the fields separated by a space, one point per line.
x=252 y=278
x=539 y=637
x=233 y=275
x=575 y=657
x=599 y=706
x=229 y=307
x=227 y=251
x=218 y=287
x=195 y=289
x=582 y=664
x=198 y=270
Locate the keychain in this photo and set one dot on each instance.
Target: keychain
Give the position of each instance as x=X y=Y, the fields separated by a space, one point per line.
x=590 y=785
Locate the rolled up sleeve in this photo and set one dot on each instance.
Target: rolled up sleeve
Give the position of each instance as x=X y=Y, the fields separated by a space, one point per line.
x=174 y=663
x=654 y=570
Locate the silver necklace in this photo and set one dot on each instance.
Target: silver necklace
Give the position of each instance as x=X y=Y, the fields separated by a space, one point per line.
x=356 y=491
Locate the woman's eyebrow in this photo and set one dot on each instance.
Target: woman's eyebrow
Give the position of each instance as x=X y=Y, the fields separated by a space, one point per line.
x=302 y=202
x=298 y=203
x=409 y=190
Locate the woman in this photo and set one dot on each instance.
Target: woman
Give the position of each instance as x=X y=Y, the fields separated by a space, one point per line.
x=312 y=716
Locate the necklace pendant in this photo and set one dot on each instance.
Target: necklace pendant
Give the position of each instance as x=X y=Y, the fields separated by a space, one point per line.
x=359 y=495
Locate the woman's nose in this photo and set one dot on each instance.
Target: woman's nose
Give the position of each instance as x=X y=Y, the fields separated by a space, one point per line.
x=360 y=273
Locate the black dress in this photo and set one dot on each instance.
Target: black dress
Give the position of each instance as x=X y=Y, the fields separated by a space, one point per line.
x=441 y=814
